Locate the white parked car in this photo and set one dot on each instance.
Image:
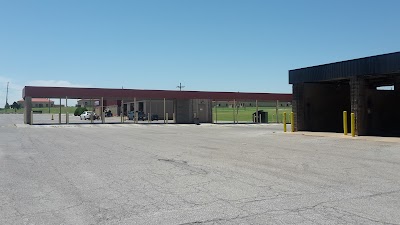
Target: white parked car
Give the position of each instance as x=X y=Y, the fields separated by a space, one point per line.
x=86 y=115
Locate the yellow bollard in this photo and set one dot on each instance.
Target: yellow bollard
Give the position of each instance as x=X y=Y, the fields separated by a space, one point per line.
x=353 y=125
x=292 y=121
x=284 y=122
x=345 y=122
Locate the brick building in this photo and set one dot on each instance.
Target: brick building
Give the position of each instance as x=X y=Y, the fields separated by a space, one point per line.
x=38 y=103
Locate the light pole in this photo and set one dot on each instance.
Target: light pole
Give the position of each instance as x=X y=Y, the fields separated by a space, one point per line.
x=180 y=86
x=5 y=107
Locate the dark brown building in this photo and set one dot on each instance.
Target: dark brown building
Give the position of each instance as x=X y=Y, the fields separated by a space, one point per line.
x=321 y=94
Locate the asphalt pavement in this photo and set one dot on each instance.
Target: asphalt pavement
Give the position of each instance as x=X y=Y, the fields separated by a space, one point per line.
x=192 y=174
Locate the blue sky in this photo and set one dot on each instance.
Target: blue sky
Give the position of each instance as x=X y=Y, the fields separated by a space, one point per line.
x=213 y=45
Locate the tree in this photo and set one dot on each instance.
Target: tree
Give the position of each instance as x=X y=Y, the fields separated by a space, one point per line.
x=15 y=106
x=7 y=106
x=79 y=111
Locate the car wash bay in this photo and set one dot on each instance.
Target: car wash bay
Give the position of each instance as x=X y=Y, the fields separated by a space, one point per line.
x=368 y=87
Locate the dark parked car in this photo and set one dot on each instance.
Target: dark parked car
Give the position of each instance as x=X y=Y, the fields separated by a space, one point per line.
x=141 y=115
x=108 y=113
x=154 y=117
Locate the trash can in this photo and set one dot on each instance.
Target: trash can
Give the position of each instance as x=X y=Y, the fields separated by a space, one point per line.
x=264 y=116
x=131 y=115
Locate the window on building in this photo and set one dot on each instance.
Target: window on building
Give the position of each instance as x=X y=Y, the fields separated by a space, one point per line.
x=385 y=88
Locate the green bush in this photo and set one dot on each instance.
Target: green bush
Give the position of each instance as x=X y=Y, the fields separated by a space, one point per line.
x=79 y=111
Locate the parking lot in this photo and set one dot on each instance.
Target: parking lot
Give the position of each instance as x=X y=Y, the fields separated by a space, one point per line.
x=192 y=174
x=44 y=119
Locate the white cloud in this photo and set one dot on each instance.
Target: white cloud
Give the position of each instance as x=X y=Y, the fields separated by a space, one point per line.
x=15 y=88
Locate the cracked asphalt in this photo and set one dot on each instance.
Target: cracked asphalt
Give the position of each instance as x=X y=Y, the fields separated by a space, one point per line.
x=188 y=174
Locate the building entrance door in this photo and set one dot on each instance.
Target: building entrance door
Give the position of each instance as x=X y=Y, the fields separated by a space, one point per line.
x=202 y=112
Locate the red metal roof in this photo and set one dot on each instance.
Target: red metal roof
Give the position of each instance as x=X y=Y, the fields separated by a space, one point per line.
x=106 y=93
x=38 y=100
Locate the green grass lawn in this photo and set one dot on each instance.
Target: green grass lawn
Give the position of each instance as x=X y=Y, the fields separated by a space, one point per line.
x=245 y=114
x=53 y=110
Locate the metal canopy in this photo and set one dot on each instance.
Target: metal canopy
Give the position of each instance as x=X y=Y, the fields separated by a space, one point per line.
x=78 y=93
x=369 y=66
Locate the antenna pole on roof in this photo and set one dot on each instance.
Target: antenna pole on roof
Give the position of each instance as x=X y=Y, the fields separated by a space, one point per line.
x=7 y=94
x=180 y=86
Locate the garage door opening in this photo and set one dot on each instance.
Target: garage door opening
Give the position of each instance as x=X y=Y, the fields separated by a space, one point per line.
x=382 y=108
x=324 y=106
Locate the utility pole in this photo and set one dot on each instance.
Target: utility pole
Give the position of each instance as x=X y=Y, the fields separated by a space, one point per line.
x=180 y=86
x=7 y=93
